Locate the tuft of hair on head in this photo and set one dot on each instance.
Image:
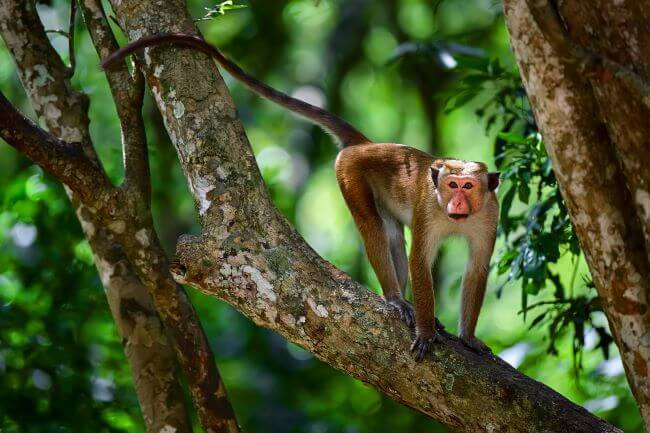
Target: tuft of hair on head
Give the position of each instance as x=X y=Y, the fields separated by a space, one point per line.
x=459 y=166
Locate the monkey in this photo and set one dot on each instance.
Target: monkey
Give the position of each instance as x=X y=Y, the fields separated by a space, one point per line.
x=387 y=186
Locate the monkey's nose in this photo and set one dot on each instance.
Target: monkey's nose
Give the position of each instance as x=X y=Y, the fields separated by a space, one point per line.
x=458 y=205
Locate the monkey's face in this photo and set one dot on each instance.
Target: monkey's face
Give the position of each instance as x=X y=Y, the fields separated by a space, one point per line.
x=461 y=195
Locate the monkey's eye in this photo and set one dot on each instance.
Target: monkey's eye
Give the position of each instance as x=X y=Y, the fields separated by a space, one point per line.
x=453 y=185
x=468 y=186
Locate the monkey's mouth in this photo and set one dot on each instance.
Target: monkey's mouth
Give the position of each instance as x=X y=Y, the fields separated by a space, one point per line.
x=458 y=216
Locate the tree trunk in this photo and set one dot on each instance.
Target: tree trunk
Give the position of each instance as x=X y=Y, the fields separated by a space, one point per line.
x=596 y=129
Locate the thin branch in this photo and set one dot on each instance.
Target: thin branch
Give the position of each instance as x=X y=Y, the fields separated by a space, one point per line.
x=59 y=32
x=71 y=53
x=128 y=92
x=592 y=64
x=65 y=161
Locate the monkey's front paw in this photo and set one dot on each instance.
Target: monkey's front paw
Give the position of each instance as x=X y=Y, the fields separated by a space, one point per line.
x=422 y=344
x=404 y=309
x=475 y=344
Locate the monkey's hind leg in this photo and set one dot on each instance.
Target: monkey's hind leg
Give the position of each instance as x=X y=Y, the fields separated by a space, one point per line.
x=374 y=232
x=395 y=231
x=398 y=252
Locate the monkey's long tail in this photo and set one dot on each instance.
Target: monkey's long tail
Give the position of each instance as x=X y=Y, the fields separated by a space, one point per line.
x=344 y=133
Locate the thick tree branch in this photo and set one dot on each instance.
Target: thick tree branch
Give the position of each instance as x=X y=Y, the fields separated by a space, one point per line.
x=588 y=62
x=143 y=249
x=594 y=189
x=148 y=349
x=127 y=91
x=45 y=77
x=43 y=74
x=250 y=256
x=64 y=161
x=193 y=352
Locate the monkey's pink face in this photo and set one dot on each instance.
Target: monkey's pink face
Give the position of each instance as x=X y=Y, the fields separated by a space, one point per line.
x=460 y=196
x=465 y=196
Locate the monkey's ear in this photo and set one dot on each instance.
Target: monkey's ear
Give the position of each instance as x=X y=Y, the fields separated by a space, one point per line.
x=493 y=180
x=434 y=175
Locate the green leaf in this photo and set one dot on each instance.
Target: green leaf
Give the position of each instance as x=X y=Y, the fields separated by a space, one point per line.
x=537 y=320
x=523 y=192
x=219 y=10
x=511 y=137
x=506 y=202
x=35 y=188
x=83 y=252
x=462 y=99
x=476 y=63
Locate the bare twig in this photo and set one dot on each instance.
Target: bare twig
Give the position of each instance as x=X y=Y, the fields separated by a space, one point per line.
x=127 y=92
x=71 y=53
x=587 y=62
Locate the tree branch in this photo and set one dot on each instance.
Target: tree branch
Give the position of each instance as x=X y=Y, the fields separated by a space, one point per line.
x=590 y=63
x=64 y=161
x=286 y=287
x=249 y=256
x=147 y=348
x=44 y=77
x=127 y=91
x=143 y=250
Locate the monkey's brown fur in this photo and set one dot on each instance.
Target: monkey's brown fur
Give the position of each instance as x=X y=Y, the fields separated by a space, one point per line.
x=388 y=186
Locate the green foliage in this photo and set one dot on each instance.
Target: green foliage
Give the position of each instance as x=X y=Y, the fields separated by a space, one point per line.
x=59 y=355
x=534 y=223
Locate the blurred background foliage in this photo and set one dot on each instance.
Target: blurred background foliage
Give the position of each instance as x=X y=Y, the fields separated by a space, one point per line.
x=434 y=74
